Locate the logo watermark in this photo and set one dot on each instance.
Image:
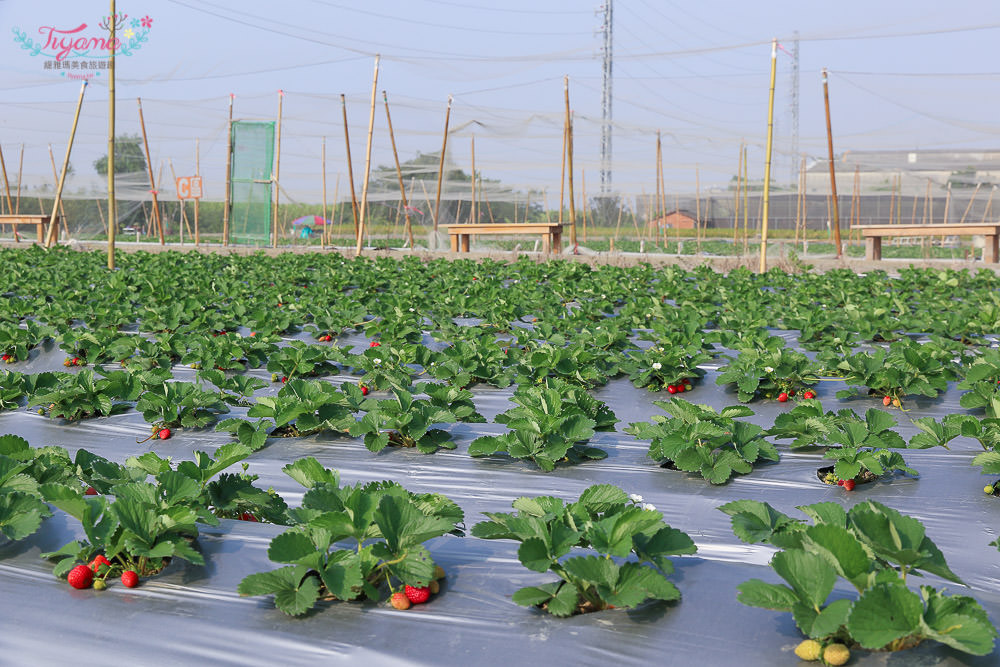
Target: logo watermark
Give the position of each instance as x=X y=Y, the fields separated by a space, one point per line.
x=79 y=53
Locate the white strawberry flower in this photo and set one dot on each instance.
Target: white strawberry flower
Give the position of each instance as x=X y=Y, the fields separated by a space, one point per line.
x=657 y=365
x=768 y=369
x=377 y=361
x=648 y=506
x=635 y=497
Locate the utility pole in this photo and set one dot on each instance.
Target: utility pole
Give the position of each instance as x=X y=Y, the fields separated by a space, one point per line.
x=606 y=53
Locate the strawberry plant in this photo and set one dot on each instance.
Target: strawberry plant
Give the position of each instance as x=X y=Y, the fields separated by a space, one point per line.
x=663 y=365
x=465 y=363
x=12 y=389
x=451 y=398
x=386 y=524
x=77 y=396
x=550 y=423
x=696 y=438
x=982 y=382
x=22 y=470
x=235 y=389
x=768 y=372
x=301 y=359
x=174 y=404
x=811 y=427
x=873 y=548
x=903 y=369
x=404 y=421
x=631 y=541
x=17 y=342
x=385 y=366
x=573 y=363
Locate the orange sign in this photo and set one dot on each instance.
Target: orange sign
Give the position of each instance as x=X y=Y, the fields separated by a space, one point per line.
x=189 y=187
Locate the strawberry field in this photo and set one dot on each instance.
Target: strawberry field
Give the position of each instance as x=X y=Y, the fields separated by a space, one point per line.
x=266 y=460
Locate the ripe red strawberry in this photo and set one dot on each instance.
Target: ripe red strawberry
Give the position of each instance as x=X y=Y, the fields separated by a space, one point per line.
x=672 y=389
x=163 y=434
x=782 y=397
x=680 y=388
x=400 y=601
x=91 y=491
x=417 y=595
x=840 y=482
x=364 y=390
x=848 y=484
x=808 y=393
x=98 y=561
x=375 y=343
x=284 y=379
x=687 y=381
x=791 y=393
x=80 y=576
x=247 y=516
x=130 y=579
x=76 y=361
x=886 y=401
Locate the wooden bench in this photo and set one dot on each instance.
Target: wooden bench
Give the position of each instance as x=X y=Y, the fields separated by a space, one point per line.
x=873 y=235
x=40 y=221
x=551 y=233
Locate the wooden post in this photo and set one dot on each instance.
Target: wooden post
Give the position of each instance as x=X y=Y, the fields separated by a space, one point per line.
x=112 y=205
x=229 y=168
x=277 y=175
x=444 y=145
x=569 y=160
x=799 y=208
x=6 y=183
x=62 y=209
x=562 y=171
x=746 y=202
x=368 y=159
x=350 y=167
x=149 y=169
x=767 y=159
x=65 y=168
x=892 y=201
x=583 y=184
x=326 y=226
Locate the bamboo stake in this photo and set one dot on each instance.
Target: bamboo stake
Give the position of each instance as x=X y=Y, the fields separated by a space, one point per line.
x=583 y=184
x=181 y=203
x=65 y=168
x=971 y=200
x=368 y=159
x=767 y=159
x=444 y=145
x=333 y=212
x=989 y=203
x=62 y=209
x=6 y=183
x=277 y=175
x=833 y=173
x=350 y=167
x=798 y=206
x=197 y=173
x=697 y=208
x=892 y=201
x=323 y=234
x=149 y=168
x=485 y=198
x=746 y=201
x=20 y=173
x=472 y=209
x=803 y=200
x=569 y=166
x=736 y=198
x=229 y=168
x=100 y=212
x=112 y=205
x=562 y=172
x=663 y=195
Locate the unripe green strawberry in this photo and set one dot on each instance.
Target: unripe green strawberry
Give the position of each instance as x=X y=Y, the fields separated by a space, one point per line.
x=988 y=489
x=100 y=585
x=836 y=654
x=438 y=572
x=809 y=650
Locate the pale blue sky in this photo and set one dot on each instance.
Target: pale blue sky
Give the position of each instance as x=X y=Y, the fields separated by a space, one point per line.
x=904 y=75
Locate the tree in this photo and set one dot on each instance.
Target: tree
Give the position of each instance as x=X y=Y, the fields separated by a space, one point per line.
x=128 y=156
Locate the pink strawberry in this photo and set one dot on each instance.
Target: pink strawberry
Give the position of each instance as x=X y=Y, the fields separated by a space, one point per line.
x=886 y=400
x=400 y=601
x=130 y=579
x=848 y=484
x=417 y=595
x=80 y=576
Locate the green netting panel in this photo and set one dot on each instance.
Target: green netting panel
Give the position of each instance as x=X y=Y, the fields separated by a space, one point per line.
x=253 y=157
